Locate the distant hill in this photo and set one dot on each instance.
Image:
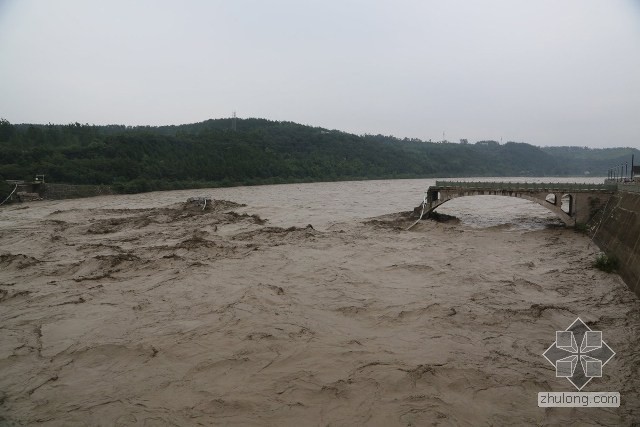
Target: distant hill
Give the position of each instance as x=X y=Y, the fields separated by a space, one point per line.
x=210 y=153
x=596 y=161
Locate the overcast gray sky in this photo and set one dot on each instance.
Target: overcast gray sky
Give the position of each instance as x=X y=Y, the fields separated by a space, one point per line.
x=547 y=72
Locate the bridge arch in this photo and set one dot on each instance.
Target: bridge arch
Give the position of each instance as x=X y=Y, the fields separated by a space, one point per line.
x=567 y=204
x=556 y=208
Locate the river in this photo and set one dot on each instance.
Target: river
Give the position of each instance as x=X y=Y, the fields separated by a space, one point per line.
x=145 y=310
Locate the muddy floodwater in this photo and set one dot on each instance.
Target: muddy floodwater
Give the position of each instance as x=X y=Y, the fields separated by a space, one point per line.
x=301 y=304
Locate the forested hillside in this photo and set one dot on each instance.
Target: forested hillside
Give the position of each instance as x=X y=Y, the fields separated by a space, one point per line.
x=597 y=160
x=210 y=153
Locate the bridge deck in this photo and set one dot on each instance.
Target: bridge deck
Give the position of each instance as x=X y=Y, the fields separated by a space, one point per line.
x=525 y=186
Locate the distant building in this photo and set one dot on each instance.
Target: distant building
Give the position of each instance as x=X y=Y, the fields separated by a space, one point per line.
x=488 y=143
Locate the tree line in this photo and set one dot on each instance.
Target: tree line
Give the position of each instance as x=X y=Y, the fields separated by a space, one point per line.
x=210 y=153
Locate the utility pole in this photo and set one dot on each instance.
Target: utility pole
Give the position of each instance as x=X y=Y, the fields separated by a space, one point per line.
x=233 y=122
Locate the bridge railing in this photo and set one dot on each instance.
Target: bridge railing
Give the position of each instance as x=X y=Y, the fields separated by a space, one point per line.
x=526 y=186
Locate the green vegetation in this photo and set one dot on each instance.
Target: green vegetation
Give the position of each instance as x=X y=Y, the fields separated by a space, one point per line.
x=595 y=161
x=606 y=263
x=144 y=158
x=5 y=189
x=581 y=227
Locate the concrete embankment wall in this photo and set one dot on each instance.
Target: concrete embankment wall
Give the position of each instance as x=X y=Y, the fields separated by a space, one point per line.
x=67 y=191
x=619 y=235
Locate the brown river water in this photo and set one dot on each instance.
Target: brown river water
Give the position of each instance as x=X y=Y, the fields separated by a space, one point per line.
x=145 y=310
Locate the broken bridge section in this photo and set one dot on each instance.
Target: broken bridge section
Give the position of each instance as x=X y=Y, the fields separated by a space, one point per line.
x=573 y=203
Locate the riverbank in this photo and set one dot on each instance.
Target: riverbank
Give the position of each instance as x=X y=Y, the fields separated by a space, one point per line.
x=617 y=233
x=125 y=310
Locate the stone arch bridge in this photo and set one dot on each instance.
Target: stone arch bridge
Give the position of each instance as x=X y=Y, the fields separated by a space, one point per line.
x=582 y=201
